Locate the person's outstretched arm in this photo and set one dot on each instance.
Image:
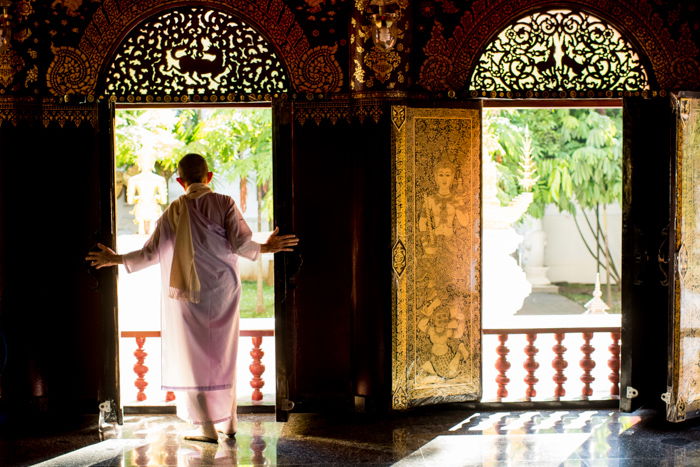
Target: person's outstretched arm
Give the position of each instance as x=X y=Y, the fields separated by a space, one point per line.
x=134 y=261
x=276 y=243
x=104 y=257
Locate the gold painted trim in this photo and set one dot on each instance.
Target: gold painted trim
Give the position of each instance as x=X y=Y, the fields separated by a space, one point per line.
x=46 y=113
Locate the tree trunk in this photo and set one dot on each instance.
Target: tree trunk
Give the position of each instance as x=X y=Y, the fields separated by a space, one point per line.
x=608 y=259
x=260 y=306
x=244 y=193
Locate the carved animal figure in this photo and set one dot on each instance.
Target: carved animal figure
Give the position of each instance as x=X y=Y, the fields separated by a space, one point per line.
x=575 y=66
x=550 y=62
x=196 y=64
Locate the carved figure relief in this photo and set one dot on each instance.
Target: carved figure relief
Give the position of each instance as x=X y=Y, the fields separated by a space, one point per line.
x=686 y=355
x=374 y=64
x=437 y=296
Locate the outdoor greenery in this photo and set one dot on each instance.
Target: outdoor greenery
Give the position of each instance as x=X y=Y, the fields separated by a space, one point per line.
x=577 y=155
x=249 y=303
x=237 y=144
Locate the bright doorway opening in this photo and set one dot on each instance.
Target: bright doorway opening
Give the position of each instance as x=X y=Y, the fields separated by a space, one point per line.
x=237 y=143
x=552 y=227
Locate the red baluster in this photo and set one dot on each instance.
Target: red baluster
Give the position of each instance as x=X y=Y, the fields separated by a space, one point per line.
x=140 y=369
x=530 y=366
x=169 y=396
x=257 y=368
x=502 y=365
x=614 y=364
x=258 y=444
x=559 y=364
x=587 y=364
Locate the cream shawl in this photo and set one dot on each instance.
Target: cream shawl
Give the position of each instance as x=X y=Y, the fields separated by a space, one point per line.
x=184 y=282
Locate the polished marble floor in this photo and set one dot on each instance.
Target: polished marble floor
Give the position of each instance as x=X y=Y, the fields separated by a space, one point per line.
x=440 y=438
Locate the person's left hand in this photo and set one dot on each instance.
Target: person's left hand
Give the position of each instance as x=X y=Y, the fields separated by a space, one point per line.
x=103 y=257
x=276 y=243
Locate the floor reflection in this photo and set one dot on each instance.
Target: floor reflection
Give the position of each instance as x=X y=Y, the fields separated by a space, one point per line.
x=427 y=438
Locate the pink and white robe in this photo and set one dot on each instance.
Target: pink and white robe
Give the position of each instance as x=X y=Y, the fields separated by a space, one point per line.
x=200 y=340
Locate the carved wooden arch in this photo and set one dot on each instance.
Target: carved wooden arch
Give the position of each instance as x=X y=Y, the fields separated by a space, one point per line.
x=77 y=70
x=672 y=63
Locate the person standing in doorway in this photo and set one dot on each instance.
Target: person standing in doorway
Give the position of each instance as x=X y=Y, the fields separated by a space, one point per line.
x=197 y=242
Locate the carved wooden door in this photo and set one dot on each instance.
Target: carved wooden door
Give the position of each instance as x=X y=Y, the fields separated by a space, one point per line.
x=683 y=395
x=436 y=255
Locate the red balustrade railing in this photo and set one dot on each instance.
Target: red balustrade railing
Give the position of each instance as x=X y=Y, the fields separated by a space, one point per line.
x=585 y=326
x=256 y=368
x=530 y=328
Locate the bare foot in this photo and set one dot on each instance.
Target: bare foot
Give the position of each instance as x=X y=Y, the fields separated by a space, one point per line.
x=227 y=428
x=204 y=432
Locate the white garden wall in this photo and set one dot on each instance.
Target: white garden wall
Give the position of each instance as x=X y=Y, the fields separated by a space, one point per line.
x=565 y=254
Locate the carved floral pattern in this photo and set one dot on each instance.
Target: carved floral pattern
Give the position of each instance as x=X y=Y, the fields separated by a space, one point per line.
x=10 y=64
x=451 y=60
x=559 y=50
x=319 y=71
x=70 y=72
x=382 y=62
x=310 y=69
x=198 y=51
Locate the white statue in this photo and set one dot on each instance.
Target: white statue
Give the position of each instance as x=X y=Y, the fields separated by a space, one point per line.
x=146 y=191
x=505 y=286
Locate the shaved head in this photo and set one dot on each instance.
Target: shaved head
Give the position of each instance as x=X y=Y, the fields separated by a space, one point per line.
x=193 y=169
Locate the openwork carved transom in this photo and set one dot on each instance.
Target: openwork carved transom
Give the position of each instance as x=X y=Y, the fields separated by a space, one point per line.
x=559 y=50
x=195 y=51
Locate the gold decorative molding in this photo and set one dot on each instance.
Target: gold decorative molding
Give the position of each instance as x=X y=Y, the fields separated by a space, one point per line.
x=46 y=113
x=436 y=214
x=398 y=116
x=334 y=111
x=399 y=257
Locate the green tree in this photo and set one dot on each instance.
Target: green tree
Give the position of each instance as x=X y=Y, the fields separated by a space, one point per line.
x=241 y=145
x=147 y=130
x=237 y=144
x=578 y=158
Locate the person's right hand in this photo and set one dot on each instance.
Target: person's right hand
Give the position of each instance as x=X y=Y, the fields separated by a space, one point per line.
x=103 y=257
x=276 y=243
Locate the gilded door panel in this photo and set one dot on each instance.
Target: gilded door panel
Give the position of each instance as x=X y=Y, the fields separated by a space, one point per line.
x=436 y=338
x=683 y=398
